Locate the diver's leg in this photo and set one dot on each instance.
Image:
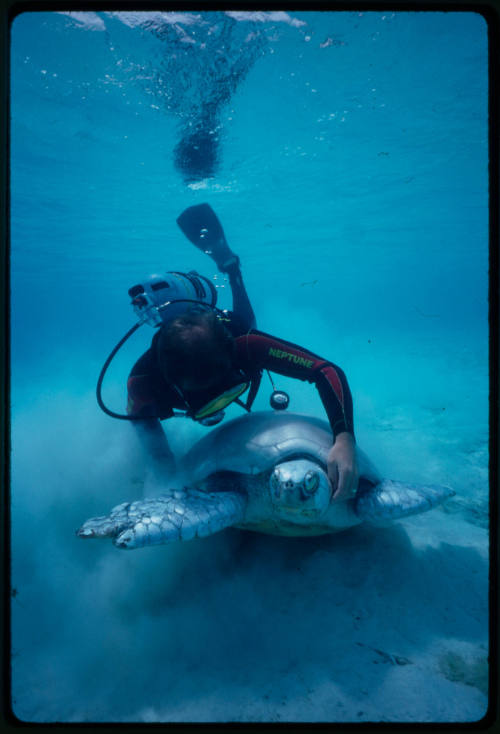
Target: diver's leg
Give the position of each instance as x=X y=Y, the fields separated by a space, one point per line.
x=241 y=303
x=202 y=227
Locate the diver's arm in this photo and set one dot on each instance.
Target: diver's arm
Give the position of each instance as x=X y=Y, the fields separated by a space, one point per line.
x=147 y=425
x=335 y=394
x=154 y=442
x=342 y=468
x=267 y=352
x=241 y=303
x=333 y=388
x=263 y=351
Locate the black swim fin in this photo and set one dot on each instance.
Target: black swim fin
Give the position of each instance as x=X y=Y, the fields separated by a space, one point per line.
x=201 y=226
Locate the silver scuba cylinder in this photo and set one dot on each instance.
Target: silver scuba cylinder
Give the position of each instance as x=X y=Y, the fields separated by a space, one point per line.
x=159 y=299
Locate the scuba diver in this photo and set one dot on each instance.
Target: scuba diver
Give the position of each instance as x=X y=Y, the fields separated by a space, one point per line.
x=202 y=358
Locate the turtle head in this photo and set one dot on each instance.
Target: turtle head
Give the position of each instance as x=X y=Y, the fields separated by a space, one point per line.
x=300 y=490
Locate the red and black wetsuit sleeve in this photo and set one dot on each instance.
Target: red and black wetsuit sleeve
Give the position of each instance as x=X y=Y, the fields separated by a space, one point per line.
x=257 y=350
x=149 y=401
x=148 y=395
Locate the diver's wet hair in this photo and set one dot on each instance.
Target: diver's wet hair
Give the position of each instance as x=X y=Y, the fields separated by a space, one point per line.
x=196 y=346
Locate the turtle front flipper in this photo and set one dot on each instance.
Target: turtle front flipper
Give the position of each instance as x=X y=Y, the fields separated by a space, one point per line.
x=390 y=500
x=181 y=515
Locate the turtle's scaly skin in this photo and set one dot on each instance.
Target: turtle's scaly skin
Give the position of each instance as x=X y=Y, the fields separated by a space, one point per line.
x=182 y=515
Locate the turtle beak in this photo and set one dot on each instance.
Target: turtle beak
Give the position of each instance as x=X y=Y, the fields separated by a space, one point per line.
x=299 y=490
x=282 y=484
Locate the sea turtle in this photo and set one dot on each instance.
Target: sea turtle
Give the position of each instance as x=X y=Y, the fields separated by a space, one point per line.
x=264 y=471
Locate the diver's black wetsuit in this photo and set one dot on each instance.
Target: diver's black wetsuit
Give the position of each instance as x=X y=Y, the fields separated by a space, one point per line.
x=151 y=397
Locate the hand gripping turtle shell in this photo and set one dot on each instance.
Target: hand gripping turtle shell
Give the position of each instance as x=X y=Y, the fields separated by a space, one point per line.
x=264 y=472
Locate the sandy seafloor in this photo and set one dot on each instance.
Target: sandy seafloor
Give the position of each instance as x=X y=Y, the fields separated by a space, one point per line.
x=365 y=627
x=373 y=624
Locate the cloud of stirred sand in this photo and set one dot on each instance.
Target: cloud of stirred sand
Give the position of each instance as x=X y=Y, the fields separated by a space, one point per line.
x=177 y=632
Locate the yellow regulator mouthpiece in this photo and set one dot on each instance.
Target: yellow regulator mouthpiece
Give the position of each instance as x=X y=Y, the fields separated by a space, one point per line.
x=220 y=402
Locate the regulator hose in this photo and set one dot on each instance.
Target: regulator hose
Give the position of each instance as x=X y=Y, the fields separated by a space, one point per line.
x=122 y=341
x=105 y=369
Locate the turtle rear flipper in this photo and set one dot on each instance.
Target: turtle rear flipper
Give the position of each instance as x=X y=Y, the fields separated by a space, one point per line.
x=390 y=500
x=180 y=515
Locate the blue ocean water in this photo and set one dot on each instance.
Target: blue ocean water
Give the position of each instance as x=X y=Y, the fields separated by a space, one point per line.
x=350 y=172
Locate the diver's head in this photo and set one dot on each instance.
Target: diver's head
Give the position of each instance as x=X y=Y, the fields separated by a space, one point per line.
x=195 y=350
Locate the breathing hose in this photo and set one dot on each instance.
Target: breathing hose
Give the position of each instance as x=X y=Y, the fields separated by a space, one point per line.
x=279 y=399
x=105 y=369
x=122 y=342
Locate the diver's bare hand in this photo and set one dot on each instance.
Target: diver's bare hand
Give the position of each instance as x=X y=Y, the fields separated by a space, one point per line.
x=342 y=467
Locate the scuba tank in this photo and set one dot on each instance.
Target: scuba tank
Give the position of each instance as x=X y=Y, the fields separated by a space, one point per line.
x=161 y=298
x=158 y=300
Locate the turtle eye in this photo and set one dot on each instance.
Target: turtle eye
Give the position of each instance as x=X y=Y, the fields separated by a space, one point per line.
x=311 y=483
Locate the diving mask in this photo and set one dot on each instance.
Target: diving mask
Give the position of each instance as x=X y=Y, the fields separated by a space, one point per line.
x=220 y=402
x=212 y=412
